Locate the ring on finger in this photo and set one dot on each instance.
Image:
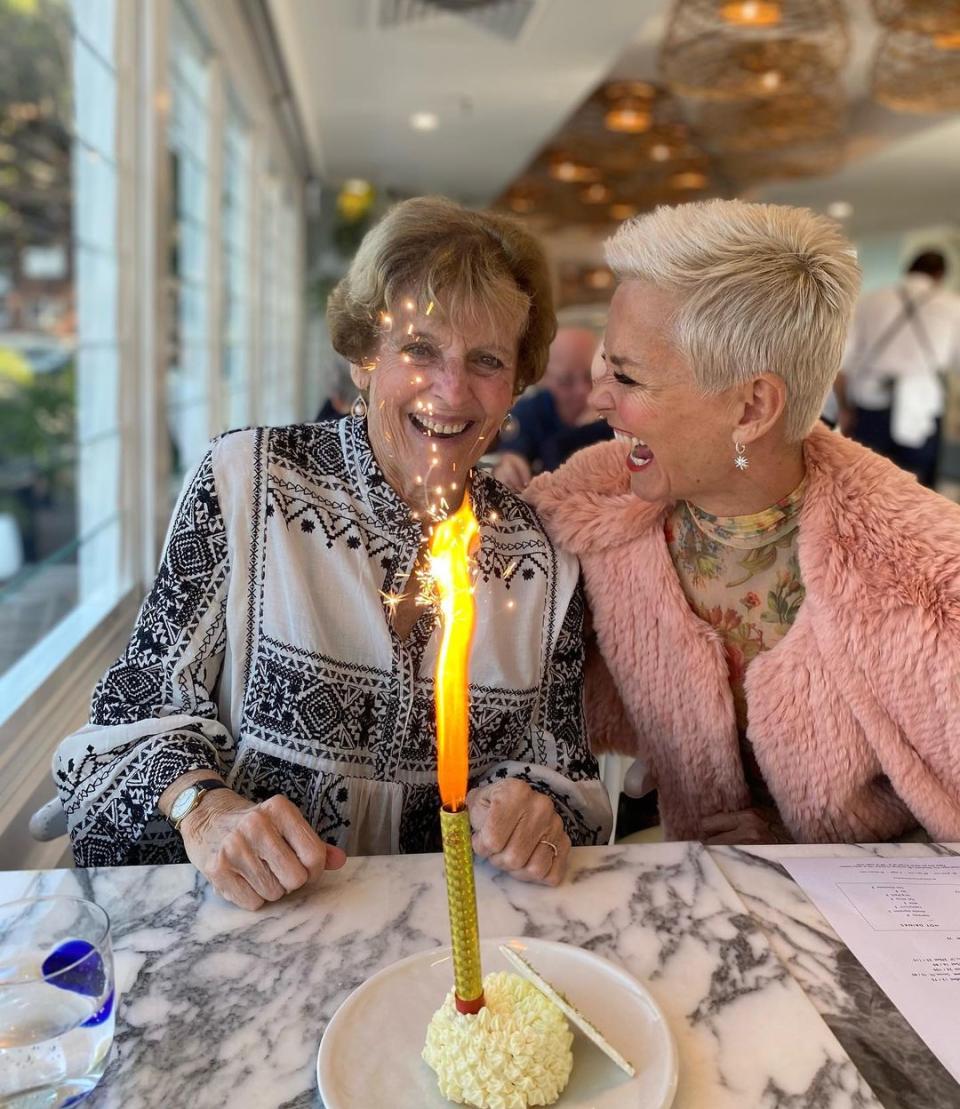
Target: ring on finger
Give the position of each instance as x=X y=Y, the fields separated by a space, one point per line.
x=553 y=847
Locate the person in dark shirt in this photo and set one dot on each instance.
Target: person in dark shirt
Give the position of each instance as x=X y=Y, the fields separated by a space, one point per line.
x=342 y=392
x=553 y=422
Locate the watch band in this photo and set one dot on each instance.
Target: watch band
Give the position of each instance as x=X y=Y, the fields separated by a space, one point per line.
x=205 y=785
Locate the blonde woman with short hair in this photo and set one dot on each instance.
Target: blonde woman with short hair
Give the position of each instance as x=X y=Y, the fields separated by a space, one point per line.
x=776 y=608
x=274 y=708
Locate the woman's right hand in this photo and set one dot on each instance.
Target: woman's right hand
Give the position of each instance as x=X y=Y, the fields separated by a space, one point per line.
x=253 y=853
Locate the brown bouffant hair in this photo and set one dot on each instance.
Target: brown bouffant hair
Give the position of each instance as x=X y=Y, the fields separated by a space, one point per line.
x=466 y=266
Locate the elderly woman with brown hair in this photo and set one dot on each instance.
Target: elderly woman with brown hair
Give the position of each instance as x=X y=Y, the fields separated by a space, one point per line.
x=777 y=609
x=274 y=708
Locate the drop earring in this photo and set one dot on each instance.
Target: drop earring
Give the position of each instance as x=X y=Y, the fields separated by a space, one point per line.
x=359 y=407
x=740 y=459
x=510 y=426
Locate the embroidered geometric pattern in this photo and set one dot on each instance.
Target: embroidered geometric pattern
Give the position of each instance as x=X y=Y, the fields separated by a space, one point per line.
x=313 y=707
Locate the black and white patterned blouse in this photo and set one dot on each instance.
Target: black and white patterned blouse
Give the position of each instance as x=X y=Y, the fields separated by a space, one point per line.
x=265 y=651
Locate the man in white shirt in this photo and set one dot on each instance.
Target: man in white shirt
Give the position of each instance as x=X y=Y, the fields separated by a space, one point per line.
x=902 y=341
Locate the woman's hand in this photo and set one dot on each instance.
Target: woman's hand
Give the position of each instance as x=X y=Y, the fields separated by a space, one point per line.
x=746 y=826
x=520 y=831
x=254 y=853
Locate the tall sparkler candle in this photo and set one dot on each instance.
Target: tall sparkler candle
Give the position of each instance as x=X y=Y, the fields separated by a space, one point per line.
x=450 y=570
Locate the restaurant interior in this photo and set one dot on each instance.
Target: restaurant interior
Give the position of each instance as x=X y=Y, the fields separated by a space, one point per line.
x=183 y=183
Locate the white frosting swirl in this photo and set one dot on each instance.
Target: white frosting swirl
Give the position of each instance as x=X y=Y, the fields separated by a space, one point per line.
x=515 y=1052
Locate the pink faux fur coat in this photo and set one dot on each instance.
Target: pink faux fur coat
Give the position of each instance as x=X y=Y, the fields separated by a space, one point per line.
x=854 y=716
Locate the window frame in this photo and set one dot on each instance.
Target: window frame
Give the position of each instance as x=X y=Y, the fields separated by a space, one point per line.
x=40 y=706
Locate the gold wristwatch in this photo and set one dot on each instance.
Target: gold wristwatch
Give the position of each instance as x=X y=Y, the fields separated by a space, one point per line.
x=188 y=799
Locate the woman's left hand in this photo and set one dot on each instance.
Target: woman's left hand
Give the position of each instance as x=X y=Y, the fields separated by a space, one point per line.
x=746 y=826
x=519 y=831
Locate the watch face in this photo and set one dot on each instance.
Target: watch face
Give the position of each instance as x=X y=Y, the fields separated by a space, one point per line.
x=184 y=803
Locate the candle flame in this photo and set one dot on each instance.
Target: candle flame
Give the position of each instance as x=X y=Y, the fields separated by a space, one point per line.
x=450 y=571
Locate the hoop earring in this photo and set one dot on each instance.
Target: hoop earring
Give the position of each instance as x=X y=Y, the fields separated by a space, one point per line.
x=359 y=407
x=740 y=459
x=509 y=426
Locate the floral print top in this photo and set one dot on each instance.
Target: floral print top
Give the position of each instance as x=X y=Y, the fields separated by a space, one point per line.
x=741 y=575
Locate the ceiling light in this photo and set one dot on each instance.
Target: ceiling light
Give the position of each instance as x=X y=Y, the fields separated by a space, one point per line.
x=689 y=179
x=752 y=13
x=660 y=152
x=948 y=40
x=840 y=209
x=520 y=203
x=771 y=80
x=629 y=117
x=622 y=211
x=597 y=193
x=424 y=121
x=599 y=279
x=563 y=168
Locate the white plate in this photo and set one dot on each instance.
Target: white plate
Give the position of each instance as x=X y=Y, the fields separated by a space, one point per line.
x=369 y=1057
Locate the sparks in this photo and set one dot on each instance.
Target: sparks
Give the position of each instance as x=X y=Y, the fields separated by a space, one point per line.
x=508 y=573
x=429 y=308
x=391 y=600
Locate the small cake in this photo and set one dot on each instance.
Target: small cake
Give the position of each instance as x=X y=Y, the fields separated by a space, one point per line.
x=515 y=1052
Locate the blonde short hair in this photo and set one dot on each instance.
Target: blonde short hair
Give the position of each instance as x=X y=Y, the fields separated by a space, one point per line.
x=473 y=266
x=762 y=287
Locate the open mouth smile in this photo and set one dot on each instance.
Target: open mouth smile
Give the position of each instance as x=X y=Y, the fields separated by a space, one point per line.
x=434 y=428
x=640 y=454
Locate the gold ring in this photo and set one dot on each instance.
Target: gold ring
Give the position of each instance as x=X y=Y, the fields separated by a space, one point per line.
x=553 y=847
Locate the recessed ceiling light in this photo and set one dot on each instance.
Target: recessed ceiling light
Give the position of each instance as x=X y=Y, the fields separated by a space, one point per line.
x=840 y=209
x=660 y=152
x=424 y=121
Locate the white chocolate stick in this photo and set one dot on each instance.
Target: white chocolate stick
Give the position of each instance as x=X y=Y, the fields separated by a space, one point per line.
x=569 y=1011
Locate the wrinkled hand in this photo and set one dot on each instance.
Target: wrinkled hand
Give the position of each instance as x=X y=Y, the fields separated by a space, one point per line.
x=255 y=853
x=514 y=471
x=510 y=823
x=747 y=826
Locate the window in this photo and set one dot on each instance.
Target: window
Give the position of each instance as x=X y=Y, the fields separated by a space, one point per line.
x=280 y=285
x=235 y=226
x=142 y=182
x=187 y=389
x=60 y=504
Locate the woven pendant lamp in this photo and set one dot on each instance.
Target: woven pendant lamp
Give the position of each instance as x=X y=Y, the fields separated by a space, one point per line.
x=738 y=49
x=926 y=17
x=918 y=72
x=774 y=122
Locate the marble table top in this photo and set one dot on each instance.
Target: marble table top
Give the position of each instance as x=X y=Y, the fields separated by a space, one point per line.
x=901 y=1070
x=769 y=1010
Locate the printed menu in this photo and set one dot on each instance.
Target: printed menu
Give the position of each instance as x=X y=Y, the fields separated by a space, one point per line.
x=901 y=919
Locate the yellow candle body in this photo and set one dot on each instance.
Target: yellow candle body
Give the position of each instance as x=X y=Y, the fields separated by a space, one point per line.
x=462 y=902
